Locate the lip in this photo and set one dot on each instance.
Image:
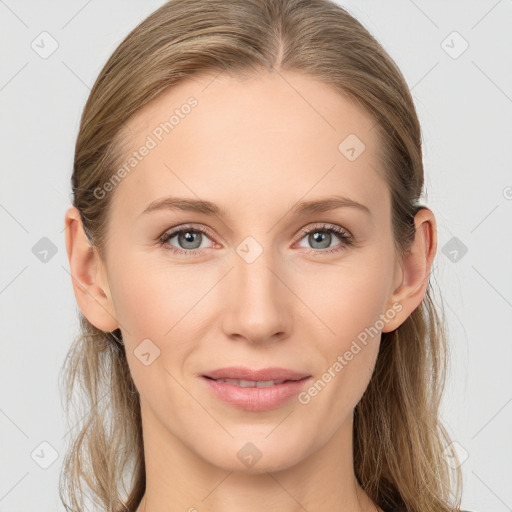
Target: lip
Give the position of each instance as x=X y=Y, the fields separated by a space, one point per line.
x=253 y=398
x=244 y=373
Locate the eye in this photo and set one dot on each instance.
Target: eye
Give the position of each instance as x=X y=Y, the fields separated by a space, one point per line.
x=321 y=237
x=189 y=239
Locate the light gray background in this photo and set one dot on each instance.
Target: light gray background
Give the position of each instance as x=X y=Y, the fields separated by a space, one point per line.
x=465 y=108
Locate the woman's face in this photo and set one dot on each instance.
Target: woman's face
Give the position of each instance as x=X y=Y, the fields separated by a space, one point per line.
x=266 y=283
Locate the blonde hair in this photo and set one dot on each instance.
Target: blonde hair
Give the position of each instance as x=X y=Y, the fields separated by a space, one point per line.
x=398 y=436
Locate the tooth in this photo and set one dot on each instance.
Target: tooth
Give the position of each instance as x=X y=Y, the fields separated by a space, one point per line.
x=231 y=381
x=264 y=383
x=251 y=383
x=247 y=383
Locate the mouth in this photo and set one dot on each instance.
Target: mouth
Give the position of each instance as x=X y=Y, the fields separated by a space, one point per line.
x=253 y=383
x=244 y=374
x=255 y=390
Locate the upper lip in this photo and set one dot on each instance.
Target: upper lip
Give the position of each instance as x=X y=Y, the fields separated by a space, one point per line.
x=264 y=374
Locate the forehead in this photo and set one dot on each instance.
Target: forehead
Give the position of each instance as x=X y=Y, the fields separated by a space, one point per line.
x=267 y=138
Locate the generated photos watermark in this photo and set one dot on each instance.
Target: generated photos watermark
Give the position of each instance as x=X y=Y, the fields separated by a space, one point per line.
x=342 y=360
x=152 y=140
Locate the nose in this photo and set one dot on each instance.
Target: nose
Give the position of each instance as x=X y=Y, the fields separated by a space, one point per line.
x=257 y=306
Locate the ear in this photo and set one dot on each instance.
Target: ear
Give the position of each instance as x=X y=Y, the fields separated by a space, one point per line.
x=88 y=275
x=413 y=271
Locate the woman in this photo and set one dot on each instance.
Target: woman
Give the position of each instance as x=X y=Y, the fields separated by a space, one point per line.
x=251 y=262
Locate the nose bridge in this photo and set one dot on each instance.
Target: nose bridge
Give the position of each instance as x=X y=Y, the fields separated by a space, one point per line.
x=257 y=303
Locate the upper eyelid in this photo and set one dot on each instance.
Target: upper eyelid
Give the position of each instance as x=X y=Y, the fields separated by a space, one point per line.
x=325 y=226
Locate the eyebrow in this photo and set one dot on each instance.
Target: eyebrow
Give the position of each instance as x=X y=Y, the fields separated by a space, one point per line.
x=209 y=208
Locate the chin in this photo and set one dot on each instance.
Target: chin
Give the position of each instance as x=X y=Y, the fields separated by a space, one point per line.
x=255 y=455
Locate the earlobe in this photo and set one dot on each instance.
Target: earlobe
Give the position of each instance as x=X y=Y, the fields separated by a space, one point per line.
x=415 y=268
x=87 y=273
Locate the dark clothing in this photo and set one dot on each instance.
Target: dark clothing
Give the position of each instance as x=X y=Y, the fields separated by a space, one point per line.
x=401 y=509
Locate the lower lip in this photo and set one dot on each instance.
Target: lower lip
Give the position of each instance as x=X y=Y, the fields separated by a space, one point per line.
x=256 y=399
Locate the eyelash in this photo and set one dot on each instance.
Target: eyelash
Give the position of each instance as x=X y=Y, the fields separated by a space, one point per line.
x=347 y=239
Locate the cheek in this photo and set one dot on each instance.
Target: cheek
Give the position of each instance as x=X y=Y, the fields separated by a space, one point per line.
x=151 y=297
x=161 y=303
x=347 y=298
x=154 y=302
x=350 y=306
